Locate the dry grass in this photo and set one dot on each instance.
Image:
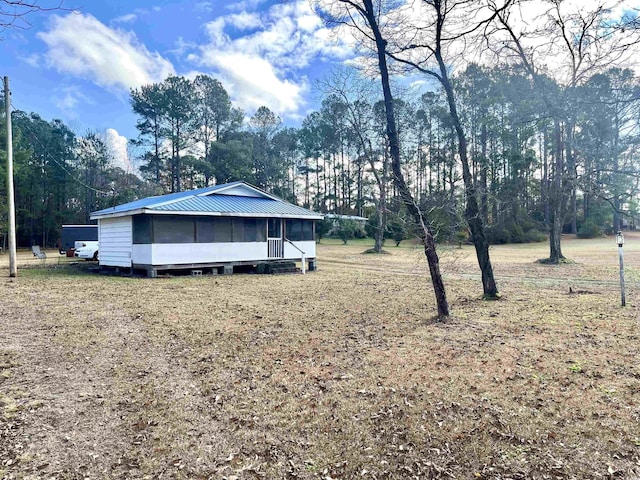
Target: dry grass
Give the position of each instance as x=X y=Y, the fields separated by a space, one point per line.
x=337 y=374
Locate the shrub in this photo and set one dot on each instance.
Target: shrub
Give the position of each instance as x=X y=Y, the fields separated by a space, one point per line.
x=359 y=231
x=372 y=225
x=589 y=229
x=345 y=230
x=462 y=236
x=509 y=231
x=534 y=235
x=497 y=234
x=322 y=228
x=516 y=233
x=396 y=230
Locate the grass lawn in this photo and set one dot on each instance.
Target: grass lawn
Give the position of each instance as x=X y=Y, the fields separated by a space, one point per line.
x=341 y=373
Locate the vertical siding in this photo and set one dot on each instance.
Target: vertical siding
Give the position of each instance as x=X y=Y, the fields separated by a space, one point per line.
x=115 y=241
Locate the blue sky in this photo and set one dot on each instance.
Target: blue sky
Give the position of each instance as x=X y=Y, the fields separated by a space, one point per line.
x=79 y=66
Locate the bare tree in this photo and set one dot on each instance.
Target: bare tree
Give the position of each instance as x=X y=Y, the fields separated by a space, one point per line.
x=566 y=42
x=357 y=99
x=364 y=17
x=430 y=36
x=14 y=13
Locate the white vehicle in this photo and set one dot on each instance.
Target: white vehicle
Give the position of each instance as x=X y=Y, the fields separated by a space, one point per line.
x=88 y=251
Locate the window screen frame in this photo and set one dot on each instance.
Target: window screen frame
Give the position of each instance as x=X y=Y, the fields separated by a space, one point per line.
x=182 y=231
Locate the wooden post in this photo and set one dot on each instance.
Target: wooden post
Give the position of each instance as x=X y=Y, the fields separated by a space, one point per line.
x=620 y=240
x=10 y=195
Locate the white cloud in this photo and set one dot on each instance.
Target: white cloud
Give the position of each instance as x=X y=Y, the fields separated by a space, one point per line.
x=206 y=7
x=245 y=5
x=262 y=64
x=34 y=60
x=244 y=21
x=117 y=149
x=83 y=46
x=254 y=83
x=67 y=98
x=128 y=18
x=182 y=47
x=67 y=102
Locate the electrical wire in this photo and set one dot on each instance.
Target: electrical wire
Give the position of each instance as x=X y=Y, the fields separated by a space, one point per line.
x=63 y=167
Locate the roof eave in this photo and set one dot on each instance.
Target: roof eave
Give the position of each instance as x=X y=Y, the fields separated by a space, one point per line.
x=126 y=213
x=205 y=214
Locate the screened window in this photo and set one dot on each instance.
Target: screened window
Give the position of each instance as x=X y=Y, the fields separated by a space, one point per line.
x=261 y=230
x=307 y=230
x=294 y=230
x=197 y=229
x=222 y=230
x=298 y=230
x=274 y=227
x=238 y=230
x=254 y=230
x=142 y=229
x=205 y=230
x=170 y=229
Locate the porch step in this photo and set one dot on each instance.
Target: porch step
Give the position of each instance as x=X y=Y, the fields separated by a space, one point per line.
x=277 y=267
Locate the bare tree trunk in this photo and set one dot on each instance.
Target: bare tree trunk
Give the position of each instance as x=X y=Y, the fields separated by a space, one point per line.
x=307 y=199
x=484 y=200
x=472 y=211
x=556 y=200
x=571 y=173
x=544 y=182
x=382 y=208
x=426 y=234
x=178 y=166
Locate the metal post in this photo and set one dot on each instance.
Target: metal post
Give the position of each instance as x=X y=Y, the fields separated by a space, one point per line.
x=620 y=240
x=10 y=196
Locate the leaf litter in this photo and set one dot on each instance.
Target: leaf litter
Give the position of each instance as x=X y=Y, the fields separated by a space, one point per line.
x=336 y=374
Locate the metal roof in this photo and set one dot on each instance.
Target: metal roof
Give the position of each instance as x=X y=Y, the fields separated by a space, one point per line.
x=150 y=202
x=235 y=204
x=206 y=201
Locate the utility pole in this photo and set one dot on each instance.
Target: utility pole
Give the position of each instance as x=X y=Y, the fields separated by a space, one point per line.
x=10 y=196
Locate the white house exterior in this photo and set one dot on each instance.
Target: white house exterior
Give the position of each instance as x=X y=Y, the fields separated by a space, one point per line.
x=214 y=228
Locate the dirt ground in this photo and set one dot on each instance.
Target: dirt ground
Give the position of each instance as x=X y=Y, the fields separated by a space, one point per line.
x=340 y=373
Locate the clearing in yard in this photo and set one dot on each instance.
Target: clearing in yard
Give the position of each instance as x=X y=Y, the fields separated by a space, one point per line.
x=341 y=373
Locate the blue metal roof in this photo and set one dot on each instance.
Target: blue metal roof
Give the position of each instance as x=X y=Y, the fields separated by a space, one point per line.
x=229 y=204
x=149 y=202
x=205 y=200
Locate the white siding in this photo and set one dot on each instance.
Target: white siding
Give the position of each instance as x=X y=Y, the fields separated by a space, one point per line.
x=190 y=253
x=115 y=241
x=141 y=254
x=185 y=253
x=308 y=247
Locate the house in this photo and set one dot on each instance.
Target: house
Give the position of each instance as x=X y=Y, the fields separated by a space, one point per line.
x=217 y=228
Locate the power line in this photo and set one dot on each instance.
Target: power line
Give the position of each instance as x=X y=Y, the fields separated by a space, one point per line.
x=62 y=166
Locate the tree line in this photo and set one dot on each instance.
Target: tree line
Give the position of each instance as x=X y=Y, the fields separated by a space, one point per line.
x=59 y=178
x=337 y=161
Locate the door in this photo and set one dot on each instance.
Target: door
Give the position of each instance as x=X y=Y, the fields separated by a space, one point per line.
x=275 y=246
